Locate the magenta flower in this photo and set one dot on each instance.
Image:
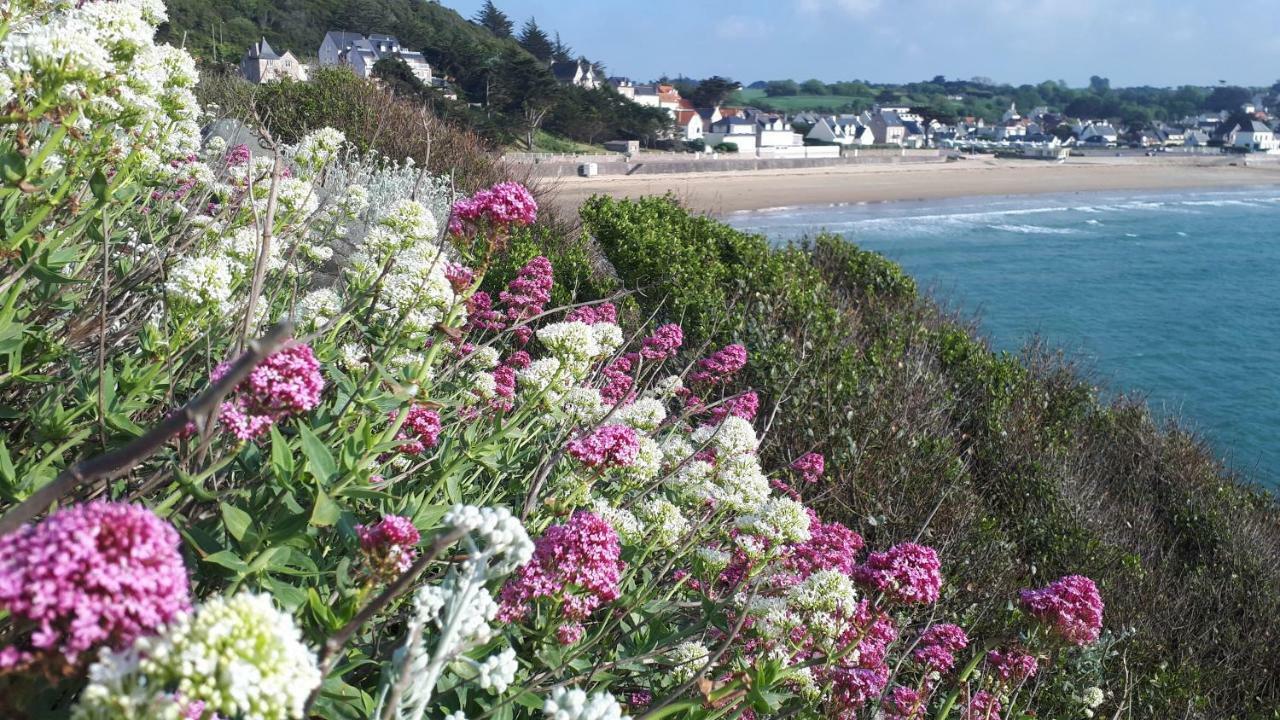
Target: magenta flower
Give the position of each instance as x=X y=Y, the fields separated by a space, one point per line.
x=460 y=276
x=908 y=573
x=503 y=205
x=663 y=343
x=592 y=314
x=721 y=364
x=238 y=155
x=286 y=383
x=831 y=546
x=389 y=544
x=608 y=446
x=982 y=706
x=617 y=380
x=518 y=360
x=810 y=466
x=1071 y=606
x=577 y=562
x=570 y=633
x=526 y=295
x=481 y=315
x=938 y=646
x=1012 y=666
x=744 y=406
x=421 y=429
x=90 y=576
x=904 y=703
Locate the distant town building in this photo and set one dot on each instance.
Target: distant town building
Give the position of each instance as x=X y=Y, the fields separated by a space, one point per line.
x=262 y=64
x=623 y=87
x=360 y=53
x=575 y=72
x=1254 y=136
x=887 y=126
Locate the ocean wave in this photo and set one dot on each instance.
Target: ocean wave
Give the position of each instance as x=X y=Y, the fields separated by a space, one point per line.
x=1034 y=229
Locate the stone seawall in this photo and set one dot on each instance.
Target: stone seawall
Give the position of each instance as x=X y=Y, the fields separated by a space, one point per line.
x=642 y=166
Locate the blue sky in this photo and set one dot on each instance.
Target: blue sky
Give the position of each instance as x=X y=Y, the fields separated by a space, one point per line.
x=1133 y=42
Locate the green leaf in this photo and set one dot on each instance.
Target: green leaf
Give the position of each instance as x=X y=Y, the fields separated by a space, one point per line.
x=236 y=520
x=281 y=455
x=98 y=184
x=325 y=511
x=228 y=560
x=319 y=460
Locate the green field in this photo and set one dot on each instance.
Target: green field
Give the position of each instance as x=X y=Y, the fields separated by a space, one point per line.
x=797 y=103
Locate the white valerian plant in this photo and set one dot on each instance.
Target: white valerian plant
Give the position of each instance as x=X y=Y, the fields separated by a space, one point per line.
x=455 y=616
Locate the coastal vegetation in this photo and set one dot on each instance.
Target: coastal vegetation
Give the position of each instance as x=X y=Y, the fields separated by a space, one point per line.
x=341 y=423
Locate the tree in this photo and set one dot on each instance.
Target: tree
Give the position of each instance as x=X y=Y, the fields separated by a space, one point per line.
x=561 y=52
x=814 y=86
x=781 y=88
x=526 y=91
x=494 y=20
x=713 y=91
x=1229 y=98
x=1099 y=85
x=535 y=41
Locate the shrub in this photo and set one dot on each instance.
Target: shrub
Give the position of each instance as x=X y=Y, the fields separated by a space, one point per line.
x=725 y=147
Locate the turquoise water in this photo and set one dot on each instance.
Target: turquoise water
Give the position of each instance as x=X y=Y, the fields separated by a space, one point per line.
x=1174 y=296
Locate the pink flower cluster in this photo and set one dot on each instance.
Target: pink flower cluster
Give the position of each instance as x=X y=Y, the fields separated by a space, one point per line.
x=865 y=673
x=608 y=446
x=503 y=205
x=938 y=646
x=421 y=429
x=908 y=573
x=810 y=466
x=720 y=365
x=460 y=276
x=744 y=406
x=592 y=314
x=1071 y=606
x=663 y=343
x=617 y=380
x=904 y=703
x=1012 y=666
x=982 y=706
x=286 y=383
x=389 y=544
x=88 y=576
x=238 y=155
x=577 y=563
x=831 y=546
x=526 y=295
x=481 y=315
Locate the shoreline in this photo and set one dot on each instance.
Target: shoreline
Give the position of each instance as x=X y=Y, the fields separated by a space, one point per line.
x=727 y=193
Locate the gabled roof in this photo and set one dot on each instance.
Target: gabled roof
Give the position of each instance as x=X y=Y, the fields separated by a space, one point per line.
x=684 y=117
x=913 y=128
x=1253 y=126
x=343 y=39
x=566 y=71
x=261 y=50
x=734 y=123
x=890 y=118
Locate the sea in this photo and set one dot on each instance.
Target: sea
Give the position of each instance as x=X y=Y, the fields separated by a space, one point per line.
x=1172 y=295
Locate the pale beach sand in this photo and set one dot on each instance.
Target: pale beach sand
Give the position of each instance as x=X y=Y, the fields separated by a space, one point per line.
x=726 y=192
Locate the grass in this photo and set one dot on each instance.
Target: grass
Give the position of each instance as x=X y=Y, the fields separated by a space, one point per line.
x=799 y=103
x=545 y=142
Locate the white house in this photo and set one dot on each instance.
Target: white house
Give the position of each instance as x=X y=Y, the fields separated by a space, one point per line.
x=575 y=72
x=1196 y=138
x=831 y=130
x=1099 y=134
x=773 y=131
x=887 y=127
x=1253 y=136
x=262 y=64
x=689 y=125
x=737 y=130
x=360 y=53
x=623 y=87
x=646 y=95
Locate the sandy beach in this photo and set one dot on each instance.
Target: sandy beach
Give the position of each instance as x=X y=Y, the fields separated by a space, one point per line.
x=726 y=192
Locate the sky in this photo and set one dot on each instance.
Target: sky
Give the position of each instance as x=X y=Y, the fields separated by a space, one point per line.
x=1132 y=42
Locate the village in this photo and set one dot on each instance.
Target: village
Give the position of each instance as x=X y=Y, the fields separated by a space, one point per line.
x=1040 y=133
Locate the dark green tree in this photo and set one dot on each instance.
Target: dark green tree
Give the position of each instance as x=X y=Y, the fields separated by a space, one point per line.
x=494 y=20
x=535 y=41
x=1099 y=84
x=781 y=88
x=713 y=91
x=814 y=86
x=1228 y=97
x=559 y=51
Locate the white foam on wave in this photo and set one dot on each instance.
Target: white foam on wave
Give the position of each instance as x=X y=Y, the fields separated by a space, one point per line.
x=1033 y=229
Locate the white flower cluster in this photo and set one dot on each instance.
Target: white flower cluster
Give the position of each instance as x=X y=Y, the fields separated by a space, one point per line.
x=496 y=673
x=623 y=521
x=415 y=289
x=645 y=414
x=317 y=308
x=734 y=436
x=102 y=57
x=667 y=525
x=240 y=656
x=576 y=704
x=780 y=520
x=201 y=281
x=687 y=659
x=545 y=376
x=583 y=405
x=317 y=148
x=499 y=533
x=456 y=603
